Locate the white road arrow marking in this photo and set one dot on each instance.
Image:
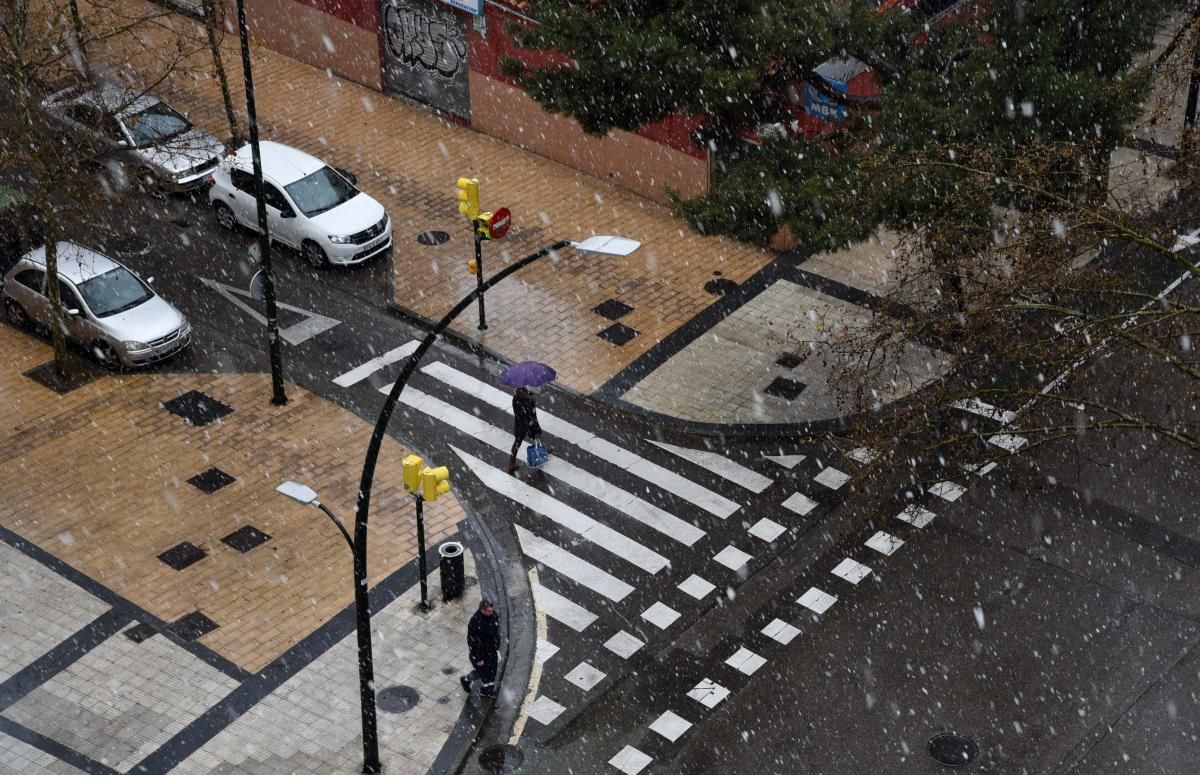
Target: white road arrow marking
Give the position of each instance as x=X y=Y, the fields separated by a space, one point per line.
x=306 y=329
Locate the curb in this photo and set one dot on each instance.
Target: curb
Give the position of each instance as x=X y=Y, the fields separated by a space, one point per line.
x=517 y=626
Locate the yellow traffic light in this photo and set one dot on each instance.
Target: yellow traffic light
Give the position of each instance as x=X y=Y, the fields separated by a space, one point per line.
x=468 y=197
x=412 y=472
x=433 y=483
x=483 y=225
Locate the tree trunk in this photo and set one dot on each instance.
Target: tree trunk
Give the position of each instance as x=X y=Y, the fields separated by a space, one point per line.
x=214 y=46
x=77 y=28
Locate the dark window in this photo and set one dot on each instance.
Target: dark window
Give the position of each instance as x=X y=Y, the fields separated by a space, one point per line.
x=114 y=291
x=274 y=197
x=322 y=190
x=85 y=115
x=242 y=180
x=31 y=279
x=69 y=299
x=156 y=124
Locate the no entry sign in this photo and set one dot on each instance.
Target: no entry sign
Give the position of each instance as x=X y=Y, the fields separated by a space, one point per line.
x=500 y=223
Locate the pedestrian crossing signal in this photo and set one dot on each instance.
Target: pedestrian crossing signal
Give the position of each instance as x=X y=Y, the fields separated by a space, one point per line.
x=434 y=483
x=468 y=197
x=411 y=466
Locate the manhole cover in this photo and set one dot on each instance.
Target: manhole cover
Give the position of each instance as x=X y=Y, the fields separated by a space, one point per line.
x=501 y=758
x=433 y=237
x=397 y=699
x=722 y=286
x=951 y=749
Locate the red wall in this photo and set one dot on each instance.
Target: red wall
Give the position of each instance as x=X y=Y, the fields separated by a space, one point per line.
x=360 y=13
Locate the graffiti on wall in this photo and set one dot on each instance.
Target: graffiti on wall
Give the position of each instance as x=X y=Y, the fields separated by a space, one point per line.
x=415 y=38
x=426 y=53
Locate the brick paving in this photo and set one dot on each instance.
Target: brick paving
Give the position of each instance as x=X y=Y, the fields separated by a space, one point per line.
x=97 y=479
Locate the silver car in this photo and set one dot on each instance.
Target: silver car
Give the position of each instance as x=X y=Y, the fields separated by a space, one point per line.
x=161 y=146
x=109 y=310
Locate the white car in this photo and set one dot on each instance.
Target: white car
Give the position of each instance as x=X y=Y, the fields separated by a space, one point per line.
x=109 y=310
x=310 y=206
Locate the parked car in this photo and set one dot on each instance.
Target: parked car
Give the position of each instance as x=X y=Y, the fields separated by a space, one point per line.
x=311 y=206
x=109 y=310
x=20 y=227
x=162 y=148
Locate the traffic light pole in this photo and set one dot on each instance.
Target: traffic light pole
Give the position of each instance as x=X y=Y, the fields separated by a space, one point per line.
x=479 y=273
x=421 y=553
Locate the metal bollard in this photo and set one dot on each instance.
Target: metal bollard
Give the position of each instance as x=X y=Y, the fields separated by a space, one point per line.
x=451 y=569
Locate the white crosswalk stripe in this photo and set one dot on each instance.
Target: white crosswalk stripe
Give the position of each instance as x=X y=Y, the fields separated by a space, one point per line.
x=719 y=465
x=359 y=373
x=561 y=609
x=984 y=409
x=635 y=464
x=626 y=502
x=575 y=568
x=601 y=535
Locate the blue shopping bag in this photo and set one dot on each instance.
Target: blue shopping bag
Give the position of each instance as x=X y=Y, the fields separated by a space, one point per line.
x=536 y=454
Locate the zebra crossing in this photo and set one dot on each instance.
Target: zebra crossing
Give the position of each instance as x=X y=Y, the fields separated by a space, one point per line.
x=634 y=537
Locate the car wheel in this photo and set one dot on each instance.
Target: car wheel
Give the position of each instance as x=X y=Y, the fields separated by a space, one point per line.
x=225 y=216
x=107 y=356
x=15 y=313
x=313 y=254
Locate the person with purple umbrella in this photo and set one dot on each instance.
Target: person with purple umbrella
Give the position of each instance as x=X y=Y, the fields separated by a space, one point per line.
x=523 y=376
x=525 y=423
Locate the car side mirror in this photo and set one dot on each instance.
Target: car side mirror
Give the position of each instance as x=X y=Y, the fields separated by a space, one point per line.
x=287 y=212
x=347 y=175
x=122 y=143
x=73 y=313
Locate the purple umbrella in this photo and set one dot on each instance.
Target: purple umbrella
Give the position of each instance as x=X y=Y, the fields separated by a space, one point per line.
x=527 y=374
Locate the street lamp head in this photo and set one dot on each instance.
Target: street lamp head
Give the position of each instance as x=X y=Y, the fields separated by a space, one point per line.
x=300 y=493
x=608 y=245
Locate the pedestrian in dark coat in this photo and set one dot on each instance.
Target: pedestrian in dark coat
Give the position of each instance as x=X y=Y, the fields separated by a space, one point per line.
x=483 y=648
x=525 y=423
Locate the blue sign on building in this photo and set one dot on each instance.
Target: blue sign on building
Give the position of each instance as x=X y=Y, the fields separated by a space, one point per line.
x=470 y=6
x=822 y=106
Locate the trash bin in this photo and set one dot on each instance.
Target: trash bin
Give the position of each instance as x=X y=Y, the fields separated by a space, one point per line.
x=451 y=569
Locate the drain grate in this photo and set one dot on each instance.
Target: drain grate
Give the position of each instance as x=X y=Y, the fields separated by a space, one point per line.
x=787 y=389
x=140 y=632
x=246 y=538
x=722 y=286
x=182 y=555
x=501 y=758
x=211 y=480
x=397 y=699
x=192 y=626
x=618 y=334
x=789 y=360
x=433 y=238
x=951 y=749
x=197 y=408
x=612 y=309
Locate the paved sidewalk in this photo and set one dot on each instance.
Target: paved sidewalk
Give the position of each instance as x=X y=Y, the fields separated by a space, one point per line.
x=162 y=605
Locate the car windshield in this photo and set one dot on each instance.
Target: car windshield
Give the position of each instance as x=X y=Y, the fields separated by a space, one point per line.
x=156 y=124
x=323 y=190
x=114 y=291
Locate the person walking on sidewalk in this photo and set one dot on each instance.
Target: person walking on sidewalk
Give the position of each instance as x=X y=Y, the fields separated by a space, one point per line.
x=483 y=648
x=525 y=423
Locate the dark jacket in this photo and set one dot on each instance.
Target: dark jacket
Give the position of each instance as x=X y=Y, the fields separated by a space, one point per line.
x=525 y=415
x=483 y=636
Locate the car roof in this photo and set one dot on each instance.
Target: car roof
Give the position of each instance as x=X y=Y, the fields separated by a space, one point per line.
x=118 y=100
x=281 y=163
x=75 y=262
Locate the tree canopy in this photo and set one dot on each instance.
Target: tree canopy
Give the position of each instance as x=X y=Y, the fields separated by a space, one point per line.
x=1001 y=75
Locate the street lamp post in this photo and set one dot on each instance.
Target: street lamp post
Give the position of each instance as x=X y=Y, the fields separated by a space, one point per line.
x=366 y=663
x=612 y=246
x=278 y=397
